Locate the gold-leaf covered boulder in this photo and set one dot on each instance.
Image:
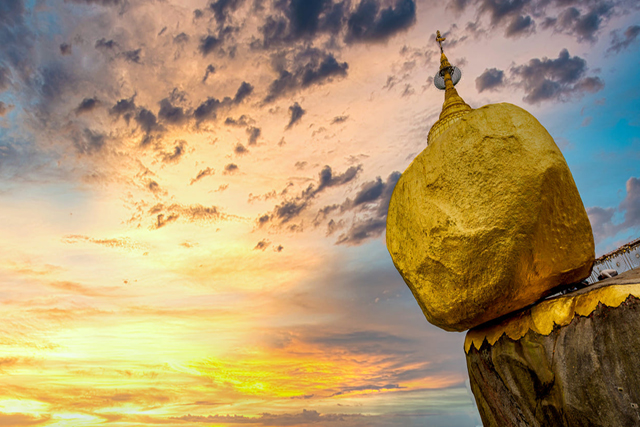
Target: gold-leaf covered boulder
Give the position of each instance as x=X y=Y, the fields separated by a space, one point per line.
x=487 y=219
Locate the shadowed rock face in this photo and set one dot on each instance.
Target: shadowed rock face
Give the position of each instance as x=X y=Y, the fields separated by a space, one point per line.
x=487 y=219
x=586 y=373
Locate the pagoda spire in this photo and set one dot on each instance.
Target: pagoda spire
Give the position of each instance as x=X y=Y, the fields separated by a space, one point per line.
x=454 y=106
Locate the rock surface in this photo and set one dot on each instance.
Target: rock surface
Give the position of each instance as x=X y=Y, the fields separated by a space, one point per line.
x=584 y=373
x=487 y=219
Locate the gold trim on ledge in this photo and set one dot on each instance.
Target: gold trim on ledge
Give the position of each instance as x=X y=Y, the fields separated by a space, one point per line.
x=542 y=317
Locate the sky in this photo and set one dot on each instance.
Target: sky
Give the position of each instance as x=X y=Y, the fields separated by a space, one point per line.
x=194 y=194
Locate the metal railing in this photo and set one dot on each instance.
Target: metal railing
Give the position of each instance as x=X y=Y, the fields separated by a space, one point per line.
x=626 y=257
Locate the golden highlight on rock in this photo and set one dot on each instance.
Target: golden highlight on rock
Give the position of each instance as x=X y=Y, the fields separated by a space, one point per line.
x=487 y=219
x=543 y=317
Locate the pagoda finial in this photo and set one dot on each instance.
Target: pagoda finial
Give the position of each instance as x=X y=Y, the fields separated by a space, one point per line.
x=440 y=39
x=445 y=79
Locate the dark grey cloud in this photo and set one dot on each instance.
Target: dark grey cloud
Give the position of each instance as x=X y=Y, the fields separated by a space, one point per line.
x=124 y=108
x=222 y=8
x=166 y=214
x=105 y=44
x=296 y=112
x=370 y=24
x=602 y=219
x=554 y=79
x=262 y=245
x=204 y=172
x=240 y=149
x=584 y=25
x=309 y=67
x=254 y=133
x=372 y=199
x=520 y=25
x=490 y=79
x=230 y=168
x=176 y=154
x=339 y=119
x=209 y=71
x=243 y=92
x=619 y=43
x=241 y=121
x=132 y=55
x=291 y=208
x=171 y=114
x=65 y=49
x=181 y=38
x=87 y=105
x=500 y=10
x=208 y=109
x=208 y=44
x=302 y=21
x=148 y=124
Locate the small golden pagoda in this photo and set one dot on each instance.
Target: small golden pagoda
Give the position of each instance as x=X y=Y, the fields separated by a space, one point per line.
x=454 y=106
x=487 y=219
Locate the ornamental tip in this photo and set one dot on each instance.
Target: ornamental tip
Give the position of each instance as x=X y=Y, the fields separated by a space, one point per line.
x=445 y=79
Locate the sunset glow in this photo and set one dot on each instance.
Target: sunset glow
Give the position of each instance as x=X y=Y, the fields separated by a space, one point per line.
x=194 y=196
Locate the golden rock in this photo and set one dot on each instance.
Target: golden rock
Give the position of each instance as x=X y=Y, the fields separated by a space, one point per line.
x=487 y=219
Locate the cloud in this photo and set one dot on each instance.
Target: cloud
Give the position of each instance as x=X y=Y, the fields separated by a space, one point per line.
x=490 y=79
x=18 y=419
x=266 y=419
x=209 y=108
x=296 y=112
x=87 y=105
x=309 y=67
x=500 y=10
x=65 y=49
x=254 y=133
x=619 y=44
x=370 y=24
x=116 y=243
x=230 y=168
x=372 y=199
x=240 y=149
x=171 y=114
x=555 y=79
x=177 y=153
x=204 y=172
x=222 y=8
x=88 y=141
x=131 y=55
x=166 y=214
x=124 y=108
x=243 y=92
x=262 y=245
x=602 y=219
x=208 y=44
x=521 y=25
x=209 y=71
x=292 y=208
x=583 y=25
x=148 y=124
x=104 y=44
